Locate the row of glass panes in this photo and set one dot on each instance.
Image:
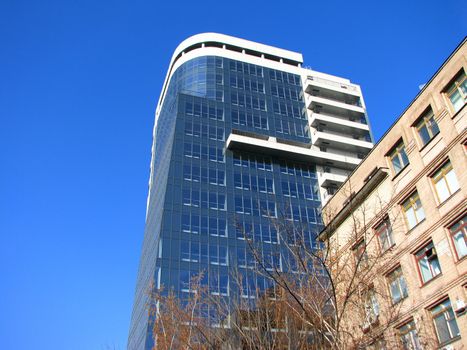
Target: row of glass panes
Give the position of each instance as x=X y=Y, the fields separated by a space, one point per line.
x=250 y=118
x=195 y=129
x=212 y=94
x=287 y=109
x=300 y=190
x=201 y=109
x=289 y=93
x=296 y=235
x=218 y=283
x=199 y=252
x=270 y=259
x=285 y=77
x=200 y=224
x=203 y=199
x=247 y=100
x=298 y=169
x=195 y=150
x=212 y=313
x=246 y=84
x=291 y=128
x=265 y=233
x=204 y=253
x=203 y=175
x=254 y=183
x=255 y=286
x=247 y=68
x=202 y=61
x=252 y=161
x=254 y=206
x=299 y=212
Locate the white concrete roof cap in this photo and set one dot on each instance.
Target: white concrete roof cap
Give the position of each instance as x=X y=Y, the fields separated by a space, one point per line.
x=242 y=43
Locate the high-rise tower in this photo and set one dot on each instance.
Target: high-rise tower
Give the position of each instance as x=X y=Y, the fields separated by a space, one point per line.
x=242 y=133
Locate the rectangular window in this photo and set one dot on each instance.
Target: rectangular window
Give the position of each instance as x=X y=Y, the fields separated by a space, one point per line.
x=190 y=223
x=398 y=157
x=189 y=108
x=246 y=182
x=458 y=234
x=268 y=208
x=384 y=232
x=238 y=205
x=238 y=180
x=217 y=255
x=427 y=127
x=397 y=285
x=445 y=182
x=186 y=280
x=312 y=215
x=241 y=257
x=186 y=227
x=428 y=263
x=409 y=337
x=360 y=253
x=219 y=79
x=457 y=91
x=413 y=210
x=247 y=206
x=445 y=322
x=371 y=307
x=185 y=251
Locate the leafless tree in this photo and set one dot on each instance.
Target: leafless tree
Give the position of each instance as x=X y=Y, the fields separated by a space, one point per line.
x=312 y=296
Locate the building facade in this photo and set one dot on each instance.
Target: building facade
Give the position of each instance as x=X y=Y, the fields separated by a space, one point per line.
x=242 y=133
x=409 y=199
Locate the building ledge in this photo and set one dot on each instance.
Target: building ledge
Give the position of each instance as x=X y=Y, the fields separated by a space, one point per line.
x=342 y=123
x=287 y=149
x=311 y=100
x=358 y=145
x=354 y=200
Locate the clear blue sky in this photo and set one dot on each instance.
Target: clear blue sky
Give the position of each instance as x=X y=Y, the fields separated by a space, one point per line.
x=79 y=81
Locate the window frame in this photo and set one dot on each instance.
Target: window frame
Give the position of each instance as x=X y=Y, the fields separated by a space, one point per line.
x=398 y=152
x=411 y=331
x=445 y=306
x=441 y=174
x=395 y=275
x=462 y=227
x=413 y=199
x=371 y=307
x=360 y=251
x=455 y=85
x=385 y=227
x=420 y=255
x=427 y=120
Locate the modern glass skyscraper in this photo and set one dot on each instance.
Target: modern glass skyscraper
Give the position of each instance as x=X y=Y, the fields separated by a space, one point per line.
x=242 y=133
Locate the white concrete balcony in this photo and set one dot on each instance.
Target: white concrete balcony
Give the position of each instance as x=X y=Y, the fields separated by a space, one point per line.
x=289 y=150
x=327 y=179
x=322 y=83
x=313 y=101
x=338 y=124
x=326 y=139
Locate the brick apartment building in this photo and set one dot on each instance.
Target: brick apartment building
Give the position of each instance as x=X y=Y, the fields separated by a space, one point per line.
x=409 y=199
